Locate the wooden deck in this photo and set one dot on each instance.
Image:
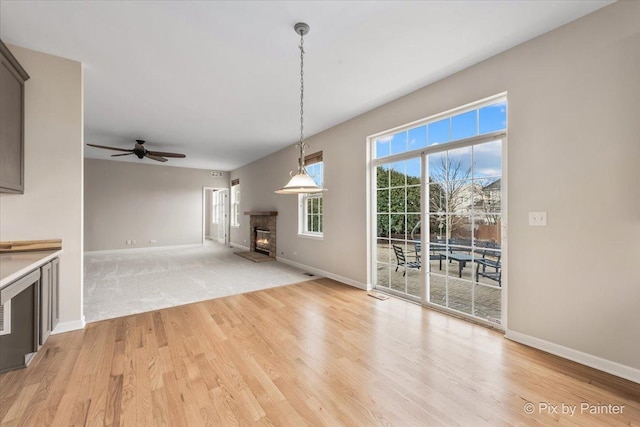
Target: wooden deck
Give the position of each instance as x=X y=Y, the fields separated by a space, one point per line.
x=315 y=353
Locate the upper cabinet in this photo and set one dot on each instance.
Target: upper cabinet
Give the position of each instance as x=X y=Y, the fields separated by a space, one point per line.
x=12 y=78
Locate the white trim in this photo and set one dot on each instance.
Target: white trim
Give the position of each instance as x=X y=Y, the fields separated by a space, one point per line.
x=323 y=273
x=73 y=325
x=611 y=367
x=150 y=248
x=236 y=245
x=504 y=233
x=311 y=236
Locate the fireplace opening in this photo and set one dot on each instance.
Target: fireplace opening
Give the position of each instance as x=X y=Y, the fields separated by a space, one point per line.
x=262 y=240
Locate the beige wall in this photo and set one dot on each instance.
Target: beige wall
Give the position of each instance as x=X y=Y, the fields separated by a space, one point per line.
x=51 y=206
x=143 y=202
x=573 y=151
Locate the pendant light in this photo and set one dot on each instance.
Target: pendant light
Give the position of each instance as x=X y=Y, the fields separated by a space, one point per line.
x=300 y=181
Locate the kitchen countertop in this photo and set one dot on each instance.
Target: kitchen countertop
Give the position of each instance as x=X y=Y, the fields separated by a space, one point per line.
x=15 y=265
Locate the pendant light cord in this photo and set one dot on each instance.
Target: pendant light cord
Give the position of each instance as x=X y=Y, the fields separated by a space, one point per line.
x=301 y=87
x=301 y=168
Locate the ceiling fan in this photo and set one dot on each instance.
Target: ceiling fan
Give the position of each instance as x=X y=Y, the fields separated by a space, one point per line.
x=140 y=151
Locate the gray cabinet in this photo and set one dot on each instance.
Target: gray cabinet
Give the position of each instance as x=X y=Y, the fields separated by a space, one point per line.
x=12 y=78
x=45 y=303
x=19 y=340
x=34 y=313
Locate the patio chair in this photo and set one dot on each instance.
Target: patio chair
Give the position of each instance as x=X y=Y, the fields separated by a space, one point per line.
x=485 y=262
x=435 y=252
x=402 y=260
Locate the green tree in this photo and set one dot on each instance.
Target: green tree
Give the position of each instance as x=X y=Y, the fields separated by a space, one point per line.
x=450 y=190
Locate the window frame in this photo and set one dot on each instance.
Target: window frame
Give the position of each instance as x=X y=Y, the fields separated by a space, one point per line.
x=303 y=202
x=423 y=152
x=235 y=204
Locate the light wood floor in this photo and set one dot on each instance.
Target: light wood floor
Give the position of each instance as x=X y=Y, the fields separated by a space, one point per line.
x=315 y=353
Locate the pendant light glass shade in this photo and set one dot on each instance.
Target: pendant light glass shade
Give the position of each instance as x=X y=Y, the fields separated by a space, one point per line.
x=301 y=182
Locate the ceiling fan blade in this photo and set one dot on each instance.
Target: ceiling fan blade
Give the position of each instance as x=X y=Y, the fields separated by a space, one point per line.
x=165 y=154
x=123 y=154
x=110 y=148
x=157 y=158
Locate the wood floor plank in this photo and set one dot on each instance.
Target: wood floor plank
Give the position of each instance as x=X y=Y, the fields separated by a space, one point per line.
x=314 y=353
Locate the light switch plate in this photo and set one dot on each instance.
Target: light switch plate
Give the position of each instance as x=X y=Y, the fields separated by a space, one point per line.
x=538 y=219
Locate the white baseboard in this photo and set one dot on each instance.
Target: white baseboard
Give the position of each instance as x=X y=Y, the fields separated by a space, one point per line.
x=73 y=325
x=323 y=273
x=614 y=368
x=235 y=245
x=144 y=249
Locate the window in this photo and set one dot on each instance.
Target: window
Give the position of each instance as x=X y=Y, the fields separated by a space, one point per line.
x=235 y=203
x=437 y=210
x=310 y=206
x=476 y=122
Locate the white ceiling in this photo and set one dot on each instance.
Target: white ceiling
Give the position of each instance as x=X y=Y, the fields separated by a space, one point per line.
x=219 y=81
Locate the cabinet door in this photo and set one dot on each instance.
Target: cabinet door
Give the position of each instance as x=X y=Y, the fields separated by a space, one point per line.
x=45 y=303
x=55 y=293
x=11 y=130
x=22 y=340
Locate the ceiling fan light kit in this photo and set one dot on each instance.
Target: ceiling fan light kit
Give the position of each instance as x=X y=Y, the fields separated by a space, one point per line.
x=141 y=152
x=301 y=182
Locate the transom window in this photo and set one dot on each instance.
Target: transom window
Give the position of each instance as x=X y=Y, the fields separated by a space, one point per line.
x=467 y=124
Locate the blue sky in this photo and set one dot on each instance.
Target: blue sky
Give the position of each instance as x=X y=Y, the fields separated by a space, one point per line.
x=486 y=157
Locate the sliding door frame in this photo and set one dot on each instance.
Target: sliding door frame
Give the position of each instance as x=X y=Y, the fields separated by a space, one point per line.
x=373 y=163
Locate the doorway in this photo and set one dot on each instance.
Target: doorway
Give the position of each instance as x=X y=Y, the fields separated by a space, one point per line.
x=215 y=203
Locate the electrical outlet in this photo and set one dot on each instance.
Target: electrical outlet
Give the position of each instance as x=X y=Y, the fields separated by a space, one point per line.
x=127 y=242
x=538 y=219
x=152 y=241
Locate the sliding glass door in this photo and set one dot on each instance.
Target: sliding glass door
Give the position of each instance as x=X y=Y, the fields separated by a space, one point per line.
x=398 y=216
x=464 y=221
x=438 y=212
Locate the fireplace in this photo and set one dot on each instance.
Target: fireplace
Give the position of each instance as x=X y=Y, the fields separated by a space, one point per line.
x=262 y=231
x=261 y=236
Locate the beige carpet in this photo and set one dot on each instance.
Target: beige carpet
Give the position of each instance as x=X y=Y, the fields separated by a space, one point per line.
x=130 y=282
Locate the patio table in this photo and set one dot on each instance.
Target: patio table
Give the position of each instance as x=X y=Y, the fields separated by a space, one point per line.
x=462 y=259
